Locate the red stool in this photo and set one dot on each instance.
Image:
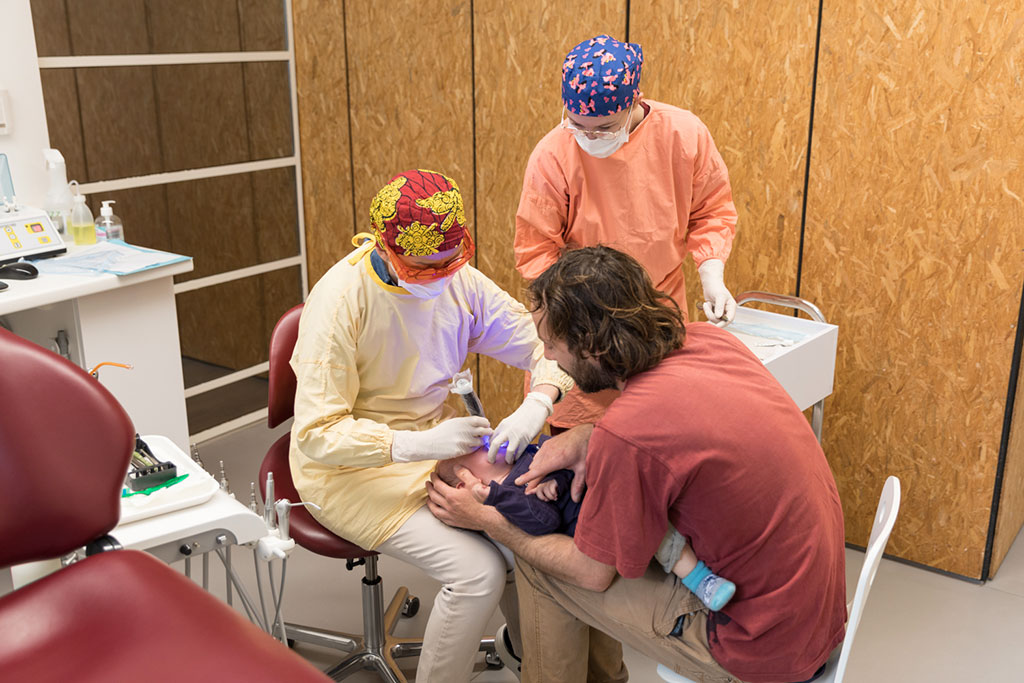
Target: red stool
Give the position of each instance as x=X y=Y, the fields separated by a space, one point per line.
x=376 y=648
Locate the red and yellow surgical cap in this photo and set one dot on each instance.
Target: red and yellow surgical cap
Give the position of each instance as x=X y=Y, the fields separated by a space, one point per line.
x=418 y=213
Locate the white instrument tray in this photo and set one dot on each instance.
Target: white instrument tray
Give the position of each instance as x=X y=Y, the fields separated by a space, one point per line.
x=198 y=488
x=800 y=353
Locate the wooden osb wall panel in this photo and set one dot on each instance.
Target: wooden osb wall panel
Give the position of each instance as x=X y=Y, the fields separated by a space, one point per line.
x=412 y=94
x=914 y=248
x=322 y=90
x=1011 y=502
x=519 y=51
x=745 y=69
x=410 y=71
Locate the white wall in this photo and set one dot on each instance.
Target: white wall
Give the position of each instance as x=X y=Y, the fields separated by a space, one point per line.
x=19 y=76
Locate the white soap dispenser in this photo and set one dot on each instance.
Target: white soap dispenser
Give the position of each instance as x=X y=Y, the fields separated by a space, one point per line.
x=108 y=223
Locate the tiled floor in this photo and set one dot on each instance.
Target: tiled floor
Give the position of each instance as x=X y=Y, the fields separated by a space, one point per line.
x=919 y=626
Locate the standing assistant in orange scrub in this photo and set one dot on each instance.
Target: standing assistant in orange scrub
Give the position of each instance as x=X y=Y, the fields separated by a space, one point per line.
x=630 y=173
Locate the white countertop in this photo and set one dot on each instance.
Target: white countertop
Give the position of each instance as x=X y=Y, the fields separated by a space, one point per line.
x=50 y=288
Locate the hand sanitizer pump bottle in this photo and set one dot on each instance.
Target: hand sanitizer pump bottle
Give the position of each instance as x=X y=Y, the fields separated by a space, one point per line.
x=83 y=229
x=58 y=194
x=109 y=224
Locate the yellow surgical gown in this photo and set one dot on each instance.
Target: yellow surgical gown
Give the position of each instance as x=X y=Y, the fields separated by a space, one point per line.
x=371 y=358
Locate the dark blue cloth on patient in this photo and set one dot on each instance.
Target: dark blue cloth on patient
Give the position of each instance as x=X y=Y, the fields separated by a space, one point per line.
x=530 y=513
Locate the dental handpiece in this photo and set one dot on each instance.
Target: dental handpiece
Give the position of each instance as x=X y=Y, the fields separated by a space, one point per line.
x=268 y=503
x=283 y=509
x=464 y=388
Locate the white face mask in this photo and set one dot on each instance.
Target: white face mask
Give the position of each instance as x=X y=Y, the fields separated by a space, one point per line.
x=602 y=148
x=426 y=290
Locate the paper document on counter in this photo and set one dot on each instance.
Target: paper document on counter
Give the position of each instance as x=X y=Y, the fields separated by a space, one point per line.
x=111 y=256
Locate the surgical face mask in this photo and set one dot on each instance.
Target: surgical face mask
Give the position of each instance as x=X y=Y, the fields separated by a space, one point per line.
x=426 y=290
x=602 y=145
x=602 y=148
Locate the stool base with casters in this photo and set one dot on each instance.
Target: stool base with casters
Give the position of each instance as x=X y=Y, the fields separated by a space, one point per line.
x=379 y=649
x=376 y=648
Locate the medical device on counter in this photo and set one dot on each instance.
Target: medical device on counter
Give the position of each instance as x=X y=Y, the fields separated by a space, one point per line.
x=27 y=232
x=58 y=201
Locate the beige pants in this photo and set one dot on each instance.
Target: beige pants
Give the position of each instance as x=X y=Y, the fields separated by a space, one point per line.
x=474 y=579
x=557 y=618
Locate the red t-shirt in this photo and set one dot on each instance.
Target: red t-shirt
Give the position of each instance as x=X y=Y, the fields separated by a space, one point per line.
x=711 y=438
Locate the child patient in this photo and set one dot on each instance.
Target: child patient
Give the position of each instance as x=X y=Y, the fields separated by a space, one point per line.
x=550 y=509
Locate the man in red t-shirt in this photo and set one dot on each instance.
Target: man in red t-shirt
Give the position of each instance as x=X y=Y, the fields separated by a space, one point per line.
x=702 y=438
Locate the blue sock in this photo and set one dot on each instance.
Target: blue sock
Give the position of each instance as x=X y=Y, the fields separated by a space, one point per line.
x=696 y=575
x=712 y=589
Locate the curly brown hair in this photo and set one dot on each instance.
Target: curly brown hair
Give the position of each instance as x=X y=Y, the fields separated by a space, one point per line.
x=601 y=303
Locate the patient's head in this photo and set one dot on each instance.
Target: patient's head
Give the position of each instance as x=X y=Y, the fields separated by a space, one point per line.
x=475 y=462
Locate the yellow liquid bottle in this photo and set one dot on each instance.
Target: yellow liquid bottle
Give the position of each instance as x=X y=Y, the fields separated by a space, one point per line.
x=83 y=228
x=83 y=233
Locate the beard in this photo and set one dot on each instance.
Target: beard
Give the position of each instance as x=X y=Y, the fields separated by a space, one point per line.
x=590 y=378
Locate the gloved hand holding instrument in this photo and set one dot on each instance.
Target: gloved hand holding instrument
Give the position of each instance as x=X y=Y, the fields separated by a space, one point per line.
x=719 y=304
x=521 y=427
x=449 y=439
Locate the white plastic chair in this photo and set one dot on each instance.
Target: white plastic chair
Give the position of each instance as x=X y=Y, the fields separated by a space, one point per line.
x=885 y=518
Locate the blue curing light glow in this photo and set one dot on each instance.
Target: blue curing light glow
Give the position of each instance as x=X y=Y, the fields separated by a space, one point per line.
x=487 y=444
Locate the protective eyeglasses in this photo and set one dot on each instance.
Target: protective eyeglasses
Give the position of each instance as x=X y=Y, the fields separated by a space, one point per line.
x=431 y=273
x=568 y=125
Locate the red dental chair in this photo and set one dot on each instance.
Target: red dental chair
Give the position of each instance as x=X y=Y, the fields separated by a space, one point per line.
x=117 y=615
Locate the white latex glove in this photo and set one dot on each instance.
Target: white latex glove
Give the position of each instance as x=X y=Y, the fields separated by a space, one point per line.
x=450 y=439
x=719 y=304
x=519 y=428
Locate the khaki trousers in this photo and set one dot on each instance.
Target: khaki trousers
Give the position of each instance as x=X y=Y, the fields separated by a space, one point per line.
x=558 y=618
x=474 y=580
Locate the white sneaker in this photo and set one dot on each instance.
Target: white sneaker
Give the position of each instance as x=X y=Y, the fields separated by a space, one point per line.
x=503 y=646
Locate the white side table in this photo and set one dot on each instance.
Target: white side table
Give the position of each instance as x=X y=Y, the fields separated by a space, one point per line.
x=128 y=319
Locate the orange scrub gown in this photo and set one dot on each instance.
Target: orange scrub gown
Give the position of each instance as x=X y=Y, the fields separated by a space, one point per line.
x=663 y=194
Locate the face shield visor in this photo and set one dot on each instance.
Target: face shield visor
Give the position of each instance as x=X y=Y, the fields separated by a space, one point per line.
x=419 y=223
x=429 y=273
